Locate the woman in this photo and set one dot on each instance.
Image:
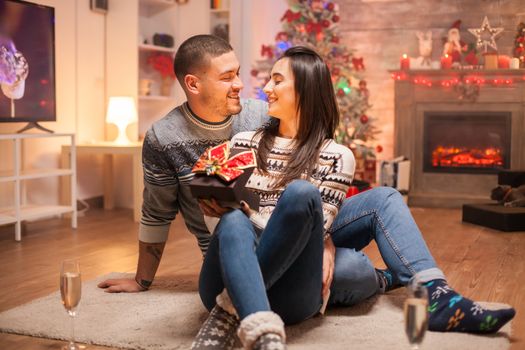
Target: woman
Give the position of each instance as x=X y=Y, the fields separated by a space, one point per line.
x=275 y=266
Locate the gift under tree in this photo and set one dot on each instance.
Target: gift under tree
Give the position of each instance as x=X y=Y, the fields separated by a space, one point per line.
x=314 y=23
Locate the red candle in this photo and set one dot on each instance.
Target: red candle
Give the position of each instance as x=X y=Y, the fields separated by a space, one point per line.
x=446 y=62
x=405 y=62
x=504 y=62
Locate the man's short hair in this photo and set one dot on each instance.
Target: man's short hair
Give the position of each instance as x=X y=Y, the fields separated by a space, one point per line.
x=196 y=52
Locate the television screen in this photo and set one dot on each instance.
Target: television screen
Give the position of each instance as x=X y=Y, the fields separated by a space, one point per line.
x=27 y=62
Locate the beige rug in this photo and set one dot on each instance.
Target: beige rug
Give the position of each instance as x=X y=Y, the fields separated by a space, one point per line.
x=169 y=315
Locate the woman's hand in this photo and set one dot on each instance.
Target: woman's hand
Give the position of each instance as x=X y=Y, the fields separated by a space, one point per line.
x=212 y=208
x=328 y=265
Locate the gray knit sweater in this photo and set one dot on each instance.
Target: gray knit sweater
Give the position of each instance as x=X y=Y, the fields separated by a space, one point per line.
x=171 y=147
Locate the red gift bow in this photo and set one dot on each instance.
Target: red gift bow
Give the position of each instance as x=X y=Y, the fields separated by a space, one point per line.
x=216 y=161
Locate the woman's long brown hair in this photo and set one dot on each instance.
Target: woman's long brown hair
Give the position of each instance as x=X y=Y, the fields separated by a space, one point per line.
x=318 y=115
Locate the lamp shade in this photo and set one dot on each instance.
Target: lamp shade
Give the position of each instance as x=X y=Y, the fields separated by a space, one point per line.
x=122 y=112
x=121 y=109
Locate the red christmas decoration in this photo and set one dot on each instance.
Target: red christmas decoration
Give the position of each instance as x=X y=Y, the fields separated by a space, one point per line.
x=335 y=19
x=281 y=36
x=266 y=51
x=312 y=27
x=363 y=90
x=363 y=119
x=330 y=6
x=336 y=71
x=379 y=148
x=335 y=39
x=471 y=58
x=162 y=63
x=358 y=63
x=352 y=191
x=325 y=23
x=254 y=72
x=291 y=16
x=340 y=92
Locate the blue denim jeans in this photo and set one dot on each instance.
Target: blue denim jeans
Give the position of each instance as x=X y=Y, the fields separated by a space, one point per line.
x=381 y=215
x=278 y=270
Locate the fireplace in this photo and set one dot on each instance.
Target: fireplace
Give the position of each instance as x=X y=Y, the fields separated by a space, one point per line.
x=466 y=142
x=456 y=145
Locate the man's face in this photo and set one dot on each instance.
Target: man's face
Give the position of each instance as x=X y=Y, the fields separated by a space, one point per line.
x=221 y=85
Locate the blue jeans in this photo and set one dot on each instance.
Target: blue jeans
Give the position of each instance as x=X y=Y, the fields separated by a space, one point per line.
x=381 y=215
x=280 y=270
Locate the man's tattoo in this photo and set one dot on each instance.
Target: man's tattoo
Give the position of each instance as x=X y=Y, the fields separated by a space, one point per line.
x=145 y=284
x=156 y=252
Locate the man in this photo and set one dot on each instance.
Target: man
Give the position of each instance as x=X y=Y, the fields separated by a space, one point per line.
x=207 y=69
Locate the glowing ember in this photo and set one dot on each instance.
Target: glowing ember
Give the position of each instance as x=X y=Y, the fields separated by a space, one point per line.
x=466 y=157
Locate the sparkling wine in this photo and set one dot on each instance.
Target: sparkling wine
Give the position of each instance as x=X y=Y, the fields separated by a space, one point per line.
x=416 y=319
x=70 y=289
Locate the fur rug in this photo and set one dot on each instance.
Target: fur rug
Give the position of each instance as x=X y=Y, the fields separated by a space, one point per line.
x=169 y=315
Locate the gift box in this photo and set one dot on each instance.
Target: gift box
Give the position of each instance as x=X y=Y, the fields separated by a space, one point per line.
x=222 y=174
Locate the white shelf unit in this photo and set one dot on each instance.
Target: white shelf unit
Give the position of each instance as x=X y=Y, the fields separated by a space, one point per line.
x=20 y=211
x=220 y=20
x=155 y=16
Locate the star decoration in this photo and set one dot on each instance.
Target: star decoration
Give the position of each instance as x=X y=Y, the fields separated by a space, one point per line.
x=486 y=34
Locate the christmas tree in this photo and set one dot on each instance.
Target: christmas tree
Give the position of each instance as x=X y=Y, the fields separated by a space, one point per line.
x=314 y=23
x=519 y=44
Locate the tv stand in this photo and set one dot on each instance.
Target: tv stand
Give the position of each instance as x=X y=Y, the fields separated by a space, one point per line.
x=35 y=125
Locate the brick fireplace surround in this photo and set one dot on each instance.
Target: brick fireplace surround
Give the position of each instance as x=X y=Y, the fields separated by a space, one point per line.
x=412 y=101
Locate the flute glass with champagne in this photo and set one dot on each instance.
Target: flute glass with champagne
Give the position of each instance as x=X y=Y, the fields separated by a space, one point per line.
x=70 y=291
x=416 y=313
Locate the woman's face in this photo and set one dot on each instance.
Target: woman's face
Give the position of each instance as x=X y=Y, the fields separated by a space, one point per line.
x=282 y=102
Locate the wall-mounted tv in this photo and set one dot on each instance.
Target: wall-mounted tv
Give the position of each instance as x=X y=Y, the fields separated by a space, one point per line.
x=27 y=62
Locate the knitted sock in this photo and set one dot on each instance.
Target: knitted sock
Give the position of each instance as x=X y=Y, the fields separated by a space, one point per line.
x=263 y=330
x=217 y=332
x=269 y=341
x=451 y=312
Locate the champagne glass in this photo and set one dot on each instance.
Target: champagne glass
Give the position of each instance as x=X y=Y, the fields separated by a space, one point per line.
x=416 y=313
x=70 y=291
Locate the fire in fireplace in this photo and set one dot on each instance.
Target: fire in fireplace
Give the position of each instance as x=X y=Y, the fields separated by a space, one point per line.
x=465 y=157
x=460 y=142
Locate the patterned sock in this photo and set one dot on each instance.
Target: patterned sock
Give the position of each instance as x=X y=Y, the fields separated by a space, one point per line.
x=217 y=332
x=450 y=312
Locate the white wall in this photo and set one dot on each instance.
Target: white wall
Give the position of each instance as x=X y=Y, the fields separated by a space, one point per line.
x=258 y=24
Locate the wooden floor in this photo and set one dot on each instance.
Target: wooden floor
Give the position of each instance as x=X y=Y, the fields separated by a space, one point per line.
x=481 y=263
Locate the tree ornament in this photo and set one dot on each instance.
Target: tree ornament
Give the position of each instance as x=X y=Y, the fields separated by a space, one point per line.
x=340 y=92
x=335 y=18
x=358 y=63
x=330 y=6
x=254 y=72
x=485 y=35
x=363 y=119
x=317 y=6
x=379 y=148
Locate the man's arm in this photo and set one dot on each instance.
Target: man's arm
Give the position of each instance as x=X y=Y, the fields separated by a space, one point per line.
x=149 y=260
x=159 y=209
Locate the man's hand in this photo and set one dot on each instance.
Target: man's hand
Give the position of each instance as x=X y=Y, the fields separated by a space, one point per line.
x=212 y=208
x=328 y=264
x=128 y=285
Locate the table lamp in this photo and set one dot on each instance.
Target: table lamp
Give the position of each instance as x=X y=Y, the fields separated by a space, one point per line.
x=122 y=112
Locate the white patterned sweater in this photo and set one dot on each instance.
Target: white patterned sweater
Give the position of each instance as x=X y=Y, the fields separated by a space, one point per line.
x=332 y=176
